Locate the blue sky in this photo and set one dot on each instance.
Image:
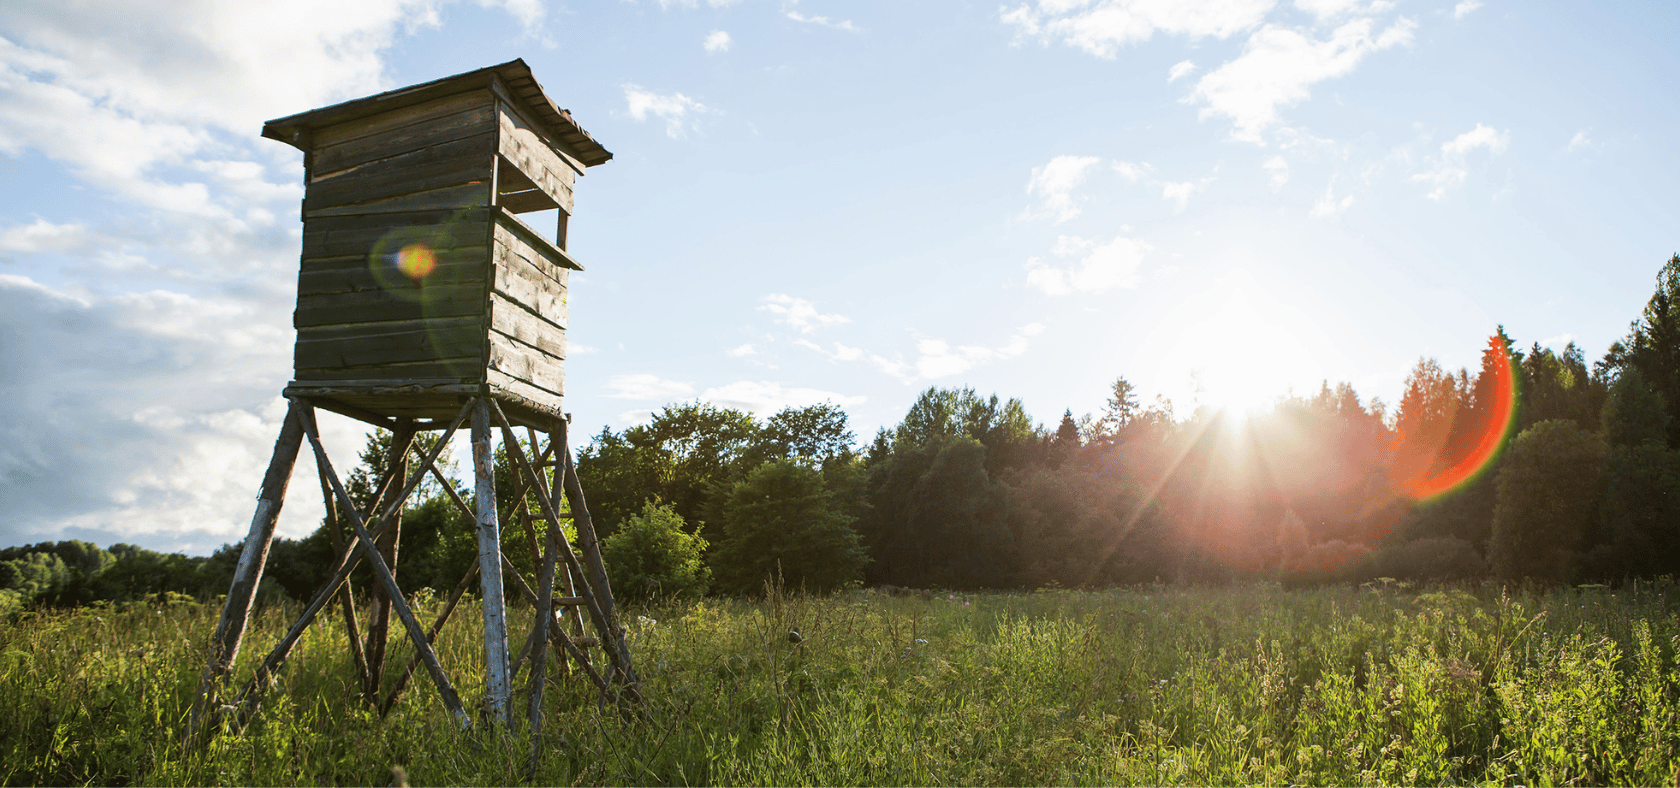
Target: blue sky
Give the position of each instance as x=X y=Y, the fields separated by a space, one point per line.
x=831 y=201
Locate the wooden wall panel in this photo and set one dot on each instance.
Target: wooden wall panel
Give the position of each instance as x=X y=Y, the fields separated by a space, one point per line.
x=395 y=342
x=449 y=164
x=525 y=147
x=393 y=121
x=467 y=195
x=330 y=159
x=523 y=362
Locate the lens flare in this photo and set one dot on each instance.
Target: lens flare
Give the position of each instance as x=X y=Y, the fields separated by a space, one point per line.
x=1500 y=420
x=416 y=261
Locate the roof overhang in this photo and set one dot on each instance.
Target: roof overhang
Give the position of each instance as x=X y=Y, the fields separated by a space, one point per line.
x=295 y=130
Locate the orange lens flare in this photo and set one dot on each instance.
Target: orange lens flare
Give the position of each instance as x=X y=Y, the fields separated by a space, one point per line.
x=416 y=261
x=1500 y=419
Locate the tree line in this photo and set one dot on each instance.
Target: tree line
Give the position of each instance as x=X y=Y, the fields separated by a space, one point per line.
x=967 y=492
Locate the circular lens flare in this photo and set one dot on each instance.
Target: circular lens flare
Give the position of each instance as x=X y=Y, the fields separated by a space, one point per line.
x=1500 y=420
x=416 y=261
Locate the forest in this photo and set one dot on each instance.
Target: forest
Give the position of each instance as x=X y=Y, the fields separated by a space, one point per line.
x=1534 y=467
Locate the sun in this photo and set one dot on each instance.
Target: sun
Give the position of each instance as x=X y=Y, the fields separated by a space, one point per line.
x=1248 y=342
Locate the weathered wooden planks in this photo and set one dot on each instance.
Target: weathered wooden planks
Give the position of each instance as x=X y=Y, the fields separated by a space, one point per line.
x=449 y=164
x=535 y=155
x=356 y=142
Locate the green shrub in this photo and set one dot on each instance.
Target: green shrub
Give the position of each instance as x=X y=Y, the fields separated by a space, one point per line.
x=651 y=555
x=1440 y=559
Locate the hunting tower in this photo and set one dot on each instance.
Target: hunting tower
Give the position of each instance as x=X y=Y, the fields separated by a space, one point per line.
x=420 y=280
x=426 y=300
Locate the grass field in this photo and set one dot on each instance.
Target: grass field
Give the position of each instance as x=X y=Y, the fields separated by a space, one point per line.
x=1248 y=684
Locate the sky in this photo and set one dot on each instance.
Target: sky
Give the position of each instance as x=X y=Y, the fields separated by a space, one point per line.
x=1223 y=201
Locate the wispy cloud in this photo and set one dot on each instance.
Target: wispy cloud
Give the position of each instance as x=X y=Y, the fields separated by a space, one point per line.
x=1054 y=183
x=1180 y=70
x=1579 y=141
x=1099 y=267
x=1102 y=27
x=1448 y=171
x=797 y=313
x=1330 y=204
x=675 y=109
x=1279 y=66
x=718 y=41
x=763 y=398
x=742 y=351
x=1179 y=194
x=1132 y=172
x=1327 y=10
x=823 y=21
x=669 y=4
x=1464 y=7
x=1279 y=170
x=646 y=386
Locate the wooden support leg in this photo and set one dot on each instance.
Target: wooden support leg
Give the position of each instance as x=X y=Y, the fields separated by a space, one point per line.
x=612 y=636
x=379 y=623
x=540 y=635
x=348 y=558
x=346 y=596
x=242 y=593
x=490 y=560
x=382 y=573
x=598 y=595
x=431 y=637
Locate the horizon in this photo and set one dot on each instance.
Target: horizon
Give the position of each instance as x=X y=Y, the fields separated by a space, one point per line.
x=814 y=202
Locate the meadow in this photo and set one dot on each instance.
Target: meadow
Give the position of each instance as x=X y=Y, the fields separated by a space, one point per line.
x=1248 y=684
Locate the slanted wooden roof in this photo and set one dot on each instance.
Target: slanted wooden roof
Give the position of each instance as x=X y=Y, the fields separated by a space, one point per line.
x=296 y=130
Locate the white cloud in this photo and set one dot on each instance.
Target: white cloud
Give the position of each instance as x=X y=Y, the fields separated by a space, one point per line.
x=647 y=386
x=145 y=417
x=1180 y=70
x=837 y=24
x=1448 y=171
x=742 y=351
x=1330 y=9
x=44 y=236
x=1054 y=183
x=1279 y=66
x=936 y=358
x=1579 y=141
x=1329 y=204
x=717 y=41
x=1279 y=170
x=1132 y=172
x=797 y=313
x=1100 y=269
x=576 y=349
x=1179 y=194
x=763 y=398
x=839 y=353
x=1101 y=27
x=1464 y=7
x=673 y=108
x=667 y=4
x=530 y=13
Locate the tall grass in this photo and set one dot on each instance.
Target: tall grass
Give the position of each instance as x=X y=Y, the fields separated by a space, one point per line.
x=1147 y=686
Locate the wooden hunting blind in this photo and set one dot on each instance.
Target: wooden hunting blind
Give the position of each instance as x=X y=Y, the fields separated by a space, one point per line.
x=419 y=281
x=426 y=302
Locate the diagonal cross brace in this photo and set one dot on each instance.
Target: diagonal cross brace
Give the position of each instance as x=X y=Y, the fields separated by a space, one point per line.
x=382 y=573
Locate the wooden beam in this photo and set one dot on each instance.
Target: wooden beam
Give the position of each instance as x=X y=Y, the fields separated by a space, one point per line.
x=242 y=592
x=334 y=527
x=348 y=559
x=382 y=573
x=598 y=594
x=431 y=636
x=379 y=620
x=490 y=555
